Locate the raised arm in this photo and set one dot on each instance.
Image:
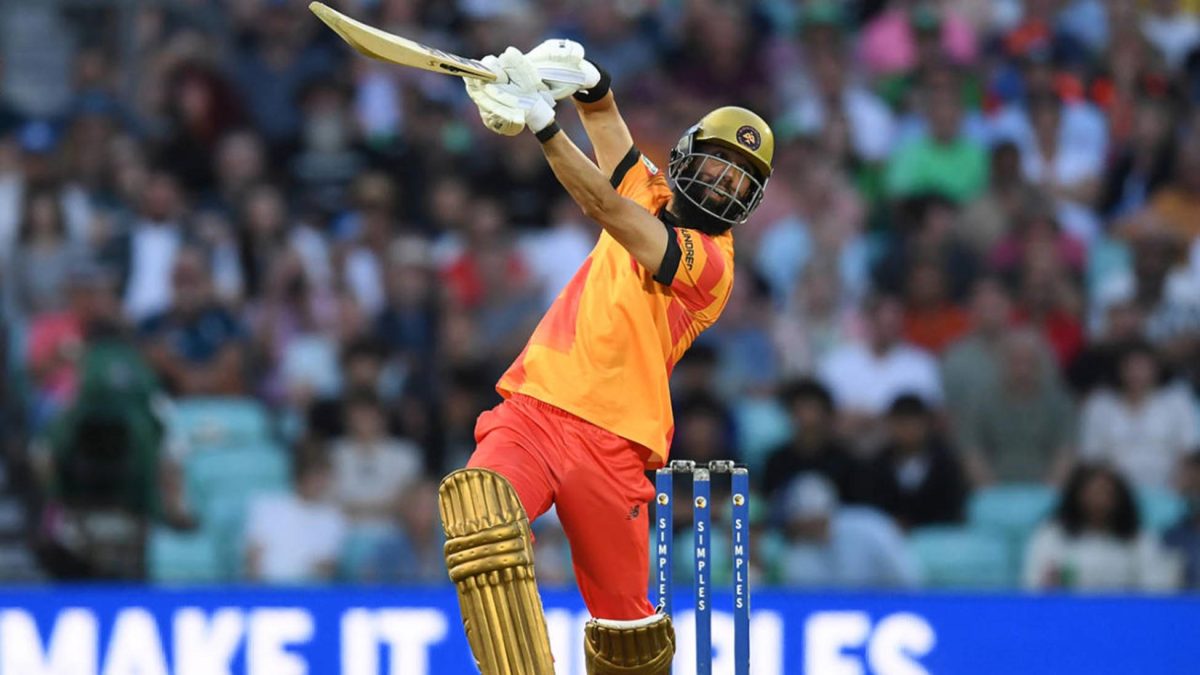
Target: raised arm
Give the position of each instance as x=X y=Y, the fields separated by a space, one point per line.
x=526 y=102
x=606 y=129
x=637 y=230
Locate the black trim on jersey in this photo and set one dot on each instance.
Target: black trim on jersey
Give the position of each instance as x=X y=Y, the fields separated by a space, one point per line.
x=624 y=166
x=670 y=261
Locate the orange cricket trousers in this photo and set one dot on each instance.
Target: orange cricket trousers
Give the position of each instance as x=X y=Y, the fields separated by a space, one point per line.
x=597 y=483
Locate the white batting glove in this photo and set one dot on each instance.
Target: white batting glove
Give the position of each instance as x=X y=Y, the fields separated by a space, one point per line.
x=527 y=86
x=500 y=109
x=560 y=64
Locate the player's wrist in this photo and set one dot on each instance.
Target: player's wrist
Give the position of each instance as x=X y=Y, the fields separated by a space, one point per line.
x=597 y=91
x=549 y=131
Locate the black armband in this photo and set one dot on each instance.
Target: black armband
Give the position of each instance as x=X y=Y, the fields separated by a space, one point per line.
x=597 y=92
x=549 y=132
x=670 y=260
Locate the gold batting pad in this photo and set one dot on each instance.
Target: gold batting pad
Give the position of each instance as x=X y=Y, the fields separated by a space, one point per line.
x=642 y=647
x=489 y=553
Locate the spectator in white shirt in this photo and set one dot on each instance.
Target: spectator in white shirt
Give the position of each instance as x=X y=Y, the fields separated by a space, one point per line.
x=1095 y=541
x=1172 y=29
x=831 y=94
x=819 y=316
x=42 y=258
x=152 y=245
x=371 y=470
x=1063 y=148
x=866 y=376
x=39 y=148
x=1056 y=153
x=554 y=255
x=829 y=545
x=295 y=537
x=363 y=237
x=1143 y=426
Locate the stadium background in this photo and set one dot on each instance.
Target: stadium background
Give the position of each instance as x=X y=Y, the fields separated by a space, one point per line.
x=256 y=289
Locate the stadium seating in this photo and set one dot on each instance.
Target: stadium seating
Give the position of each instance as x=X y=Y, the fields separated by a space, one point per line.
x=762 y=425
x=235 y=471
x=1159 y=508
x=1108 y=259
x=228 y=455
x=357 y=552
x=962 y=557
x=202 y=423
x=183 y=557
x=1012 y=511
x=222 y=482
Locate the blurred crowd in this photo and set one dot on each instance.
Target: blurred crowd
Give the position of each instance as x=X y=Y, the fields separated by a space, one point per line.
x=975 y=278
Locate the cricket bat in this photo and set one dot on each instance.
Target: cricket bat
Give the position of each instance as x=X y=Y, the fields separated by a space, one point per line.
x=377 y=44
x=381 y=45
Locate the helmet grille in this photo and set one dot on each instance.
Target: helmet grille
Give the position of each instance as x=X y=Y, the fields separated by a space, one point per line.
x=718 y=194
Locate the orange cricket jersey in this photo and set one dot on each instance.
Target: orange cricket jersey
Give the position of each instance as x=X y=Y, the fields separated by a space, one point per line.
x=605 y=349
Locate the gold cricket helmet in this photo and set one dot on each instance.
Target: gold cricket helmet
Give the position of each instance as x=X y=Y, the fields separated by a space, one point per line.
x=719 y=187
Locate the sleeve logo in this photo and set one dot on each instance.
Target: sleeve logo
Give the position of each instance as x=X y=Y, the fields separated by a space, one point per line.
x=650 y=166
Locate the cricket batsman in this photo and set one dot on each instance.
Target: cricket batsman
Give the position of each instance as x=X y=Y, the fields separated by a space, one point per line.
x=587 y=408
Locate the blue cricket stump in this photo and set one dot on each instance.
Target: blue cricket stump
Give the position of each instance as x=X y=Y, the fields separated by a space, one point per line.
x=702 y=553
x=664 y=536
x=740 y=519
x=701 y=490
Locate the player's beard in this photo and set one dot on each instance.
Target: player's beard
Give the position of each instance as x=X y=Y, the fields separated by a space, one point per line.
x=694 y=217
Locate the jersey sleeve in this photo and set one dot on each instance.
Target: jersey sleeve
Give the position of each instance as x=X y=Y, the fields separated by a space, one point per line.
x=637 y=178
x=697 y=270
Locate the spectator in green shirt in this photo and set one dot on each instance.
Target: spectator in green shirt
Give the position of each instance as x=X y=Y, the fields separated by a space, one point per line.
x=944 y=160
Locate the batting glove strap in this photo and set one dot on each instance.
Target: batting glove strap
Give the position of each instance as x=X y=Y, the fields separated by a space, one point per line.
x=539 y=115
x=597 y=92
x=548 y=133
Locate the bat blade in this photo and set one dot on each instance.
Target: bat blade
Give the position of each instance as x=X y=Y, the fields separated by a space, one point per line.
x=383 y=46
